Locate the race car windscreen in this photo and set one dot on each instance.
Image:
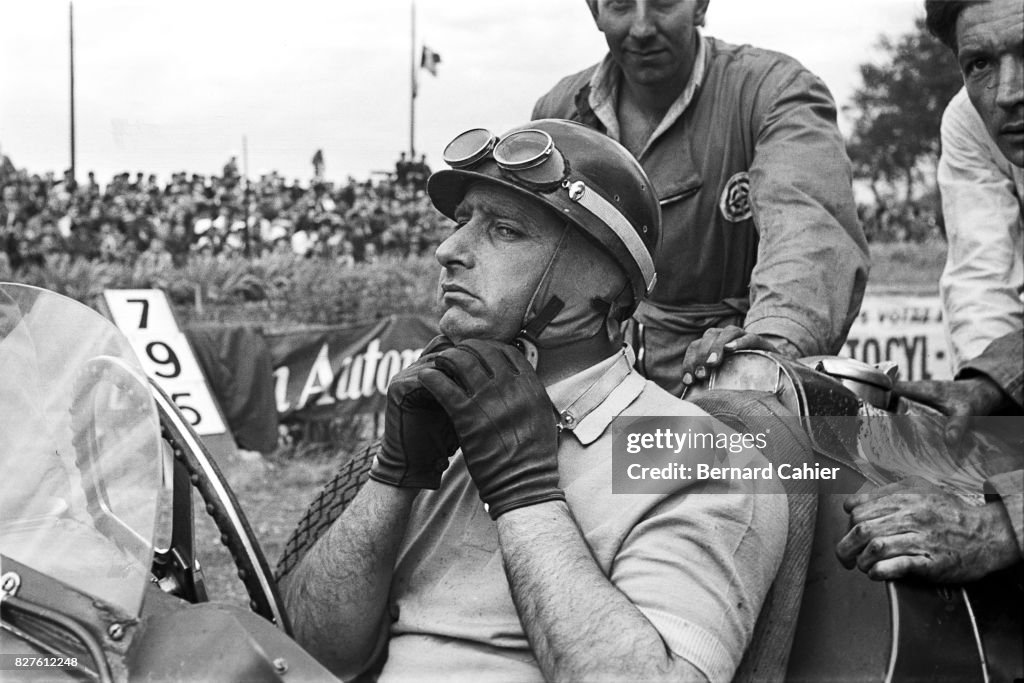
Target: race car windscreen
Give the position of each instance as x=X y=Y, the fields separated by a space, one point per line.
x=80 y=448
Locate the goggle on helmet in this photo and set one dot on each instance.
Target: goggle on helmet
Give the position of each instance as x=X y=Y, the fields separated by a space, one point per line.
x=582 y=174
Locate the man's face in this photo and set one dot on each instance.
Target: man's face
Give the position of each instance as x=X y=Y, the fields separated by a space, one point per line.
x=990 y=40
x=652 y=41
x=493 y=261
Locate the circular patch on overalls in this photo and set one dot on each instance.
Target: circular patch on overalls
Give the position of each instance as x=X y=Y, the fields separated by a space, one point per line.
x=735 y=201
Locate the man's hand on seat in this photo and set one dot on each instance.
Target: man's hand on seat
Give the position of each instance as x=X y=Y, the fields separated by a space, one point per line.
x=912 y=528
x=959 y=399
x=505 y=422
x=706 y=354
x=418 y=436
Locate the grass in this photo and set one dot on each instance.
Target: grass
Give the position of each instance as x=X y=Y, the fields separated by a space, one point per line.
x=906 y=268
x=273 y=291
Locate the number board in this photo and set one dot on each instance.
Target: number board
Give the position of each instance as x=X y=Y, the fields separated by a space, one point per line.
x=147 y=321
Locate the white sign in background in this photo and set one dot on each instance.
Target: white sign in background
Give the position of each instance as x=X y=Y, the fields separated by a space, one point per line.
x=145 y=318
x=904 y=329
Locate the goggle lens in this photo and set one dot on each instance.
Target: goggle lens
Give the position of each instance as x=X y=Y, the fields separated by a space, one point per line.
x=523 y=149
x=469 y=148
x=528 y=156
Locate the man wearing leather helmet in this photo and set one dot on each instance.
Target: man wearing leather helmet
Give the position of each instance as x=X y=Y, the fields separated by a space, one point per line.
x=487 y=544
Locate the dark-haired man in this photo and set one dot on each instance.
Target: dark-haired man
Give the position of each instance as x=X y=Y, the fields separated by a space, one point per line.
x=904 y=530
x=761 y=243
x=981 y=173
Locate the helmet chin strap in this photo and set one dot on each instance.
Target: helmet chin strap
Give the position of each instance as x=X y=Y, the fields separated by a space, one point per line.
x=552 y=309
x=526 y=340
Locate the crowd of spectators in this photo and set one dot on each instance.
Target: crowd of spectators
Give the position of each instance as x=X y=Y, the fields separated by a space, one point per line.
x=136 y=219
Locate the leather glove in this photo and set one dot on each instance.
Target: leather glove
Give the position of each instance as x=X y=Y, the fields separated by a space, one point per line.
x=505 y=422
x=418 y=436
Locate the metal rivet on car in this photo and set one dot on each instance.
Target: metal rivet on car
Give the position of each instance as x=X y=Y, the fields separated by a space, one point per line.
x=10 y=583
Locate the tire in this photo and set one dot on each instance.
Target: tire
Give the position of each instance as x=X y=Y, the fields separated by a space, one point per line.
x=326 y=507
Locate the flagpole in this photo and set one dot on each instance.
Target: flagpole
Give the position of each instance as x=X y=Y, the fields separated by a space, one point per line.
x=71 y=43
x=412 y=98
x=248 y=193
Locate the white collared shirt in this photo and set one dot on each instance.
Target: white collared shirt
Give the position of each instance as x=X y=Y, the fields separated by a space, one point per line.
x=982 y=285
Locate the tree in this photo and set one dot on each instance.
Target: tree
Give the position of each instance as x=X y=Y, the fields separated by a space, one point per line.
x=898 y=108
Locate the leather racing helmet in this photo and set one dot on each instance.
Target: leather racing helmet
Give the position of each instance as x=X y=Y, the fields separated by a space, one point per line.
x=582 y=174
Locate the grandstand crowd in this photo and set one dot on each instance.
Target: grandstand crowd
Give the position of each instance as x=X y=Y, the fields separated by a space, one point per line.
x=138 y=220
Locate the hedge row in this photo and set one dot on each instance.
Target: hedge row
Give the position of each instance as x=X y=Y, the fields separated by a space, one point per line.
x=276 y=290
x=284 y=290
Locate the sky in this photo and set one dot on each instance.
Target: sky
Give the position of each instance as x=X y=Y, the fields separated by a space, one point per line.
x=170 y=85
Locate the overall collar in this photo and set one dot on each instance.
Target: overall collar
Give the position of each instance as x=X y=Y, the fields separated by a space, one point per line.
x=603 y=95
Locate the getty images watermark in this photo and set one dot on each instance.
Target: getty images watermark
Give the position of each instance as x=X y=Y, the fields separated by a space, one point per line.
x=831 y=454
x=663 y=454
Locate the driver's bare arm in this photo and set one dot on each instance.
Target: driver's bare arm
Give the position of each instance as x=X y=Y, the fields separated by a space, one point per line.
x=580 y=626
x=673 y=602
x=337 y=595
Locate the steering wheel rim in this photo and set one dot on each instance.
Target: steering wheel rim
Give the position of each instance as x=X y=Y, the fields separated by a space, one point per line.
x=222 y=506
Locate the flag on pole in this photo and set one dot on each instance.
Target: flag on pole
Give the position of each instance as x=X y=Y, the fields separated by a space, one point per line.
x=429 y=60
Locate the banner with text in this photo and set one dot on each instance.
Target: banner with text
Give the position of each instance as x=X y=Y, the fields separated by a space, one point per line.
x=905 y=329
x=333 y=373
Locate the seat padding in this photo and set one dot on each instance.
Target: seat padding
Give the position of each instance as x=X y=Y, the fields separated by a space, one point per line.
x=758 y=412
